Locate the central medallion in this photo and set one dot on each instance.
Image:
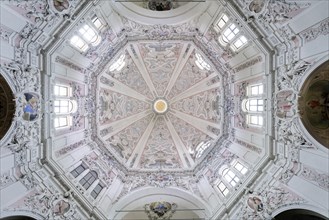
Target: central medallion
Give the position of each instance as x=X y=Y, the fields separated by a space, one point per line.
x=160 y=106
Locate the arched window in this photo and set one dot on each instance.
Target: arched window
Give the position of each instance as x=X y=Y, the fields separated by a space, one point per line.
x=63 y=106
x=88 y=179
x=201 y=63
x=231 y=35
x=78 y=43
x=254 y=105
x=201 y=148
x=97 y=190
x=118 y=64
x=88 y=35
x=230 y=177
x=78 y=170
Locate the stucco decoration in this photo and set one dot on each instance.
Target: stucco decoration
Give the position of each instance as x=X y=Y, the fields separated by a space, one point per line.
x=50 y=11
x=261 y=203
x=49 y=204
x=314 y=104
x=141 y=135
x=317 y=177
x=286 y=106
x=318 y=30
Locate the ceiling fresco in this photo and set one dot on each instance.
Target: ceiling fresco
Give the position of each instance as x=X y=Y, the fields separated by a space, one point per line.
x=314 y=104
x=160 y=110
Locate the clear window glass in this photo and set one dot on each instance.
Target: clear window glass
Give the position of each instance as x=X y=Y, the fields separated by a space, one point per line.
x=77 y=42
x=223 y=21
x=256 y=89
x=201 y=148
x=60 y=122
x=96 y=190
x=97 y=22
x=242 y=40
x=242 y=169
x=88 y=34
x=222 y=188
x=230 y=33
x=256 y=120
x=119 y=64
x=201 y=63
x=230 y=177
x=77 y=171
x=61 y=90
x=255 y=105
x=88 y=179
x=63 y=106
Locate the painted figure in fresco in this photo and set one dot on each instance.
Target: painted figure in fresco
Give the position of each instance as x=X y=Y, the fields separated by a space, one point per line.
x=317 y=104
x=30 y=108
x=61 y=5
x=162 y=5
x=256 y=5
x=255 y=203
x=61 y=207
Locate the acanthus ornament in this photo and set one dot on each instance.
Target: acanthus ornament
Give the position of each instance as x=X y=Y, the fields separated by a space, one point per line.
x=310 y=174
x=314 y=32
x=49 y=204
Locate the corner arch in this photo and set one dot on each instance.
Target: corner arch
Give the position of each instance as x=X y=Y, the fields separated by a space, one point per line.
x=137 y=199
x=20 y=215
x=7 y=108
x=313 y=104
x=303 y=208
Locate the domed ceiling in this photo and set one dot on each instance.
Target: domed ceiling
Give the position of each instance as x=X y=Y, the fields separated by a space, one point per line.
x=159 y=105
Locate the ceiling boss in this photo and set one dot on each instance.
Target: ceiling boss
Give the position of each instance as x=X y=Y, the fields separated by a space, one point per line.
x=160 y=106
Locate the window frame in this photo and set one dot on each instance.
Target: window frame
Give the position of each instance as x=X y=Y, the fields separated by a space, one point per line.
x=258 y=85
x=78 y=170
x=118 y=64
x=201 y=63
x=228 y=31
x=259 y=118
x=259 y=105
x=67 y=124
x=66 y=115
x=81 y=34
x=231 y=177
x=222 y=20
x=225 y=190
x=87 y=180
x=95 y=193
x=230 y=36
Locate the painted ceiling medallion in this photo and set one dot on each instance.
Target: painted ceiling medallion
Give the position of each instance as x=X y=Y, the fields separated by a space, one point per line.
x=159 y=108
